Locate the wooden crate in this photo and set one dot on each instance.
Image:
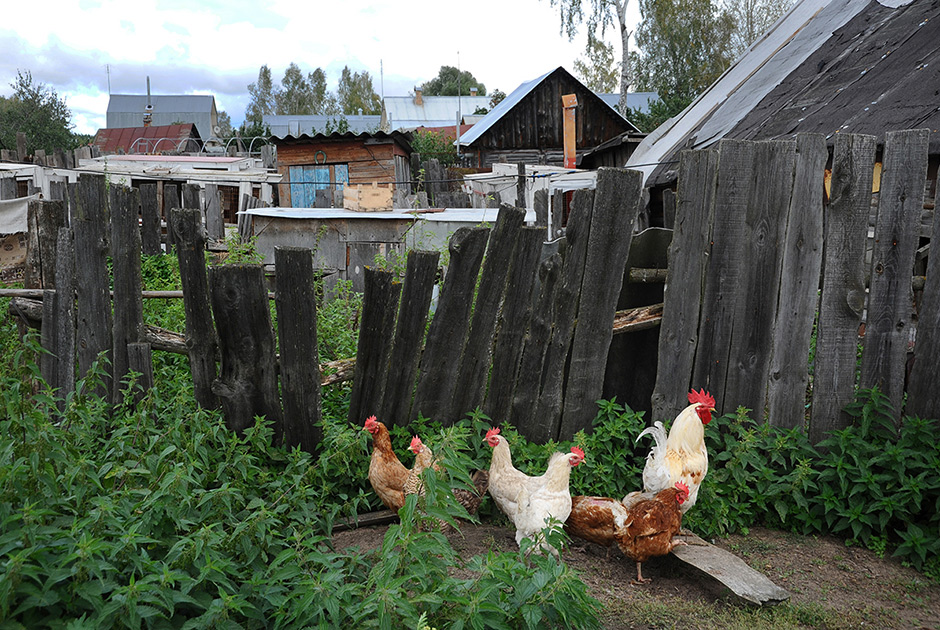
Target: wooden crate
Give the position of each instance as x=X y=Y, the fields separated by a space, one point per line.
x=369 y=199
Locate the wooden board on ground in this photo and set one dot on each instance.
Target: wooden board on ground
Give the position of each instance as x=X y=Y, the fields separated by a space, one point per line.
x=745 y=582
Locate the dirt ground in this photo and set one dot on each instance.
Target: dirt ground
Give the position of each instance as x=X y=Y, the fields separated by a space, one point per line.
x=831 y=585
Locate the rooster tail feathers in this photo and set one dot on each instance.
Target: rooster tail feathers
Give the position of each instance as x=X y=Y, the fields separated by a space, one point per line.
x=659 y=436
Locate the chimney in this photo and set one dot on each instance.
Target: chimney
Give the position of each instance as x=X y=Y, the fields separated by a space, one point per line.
x=148 y=111
x=473 y=91
x=418 y=101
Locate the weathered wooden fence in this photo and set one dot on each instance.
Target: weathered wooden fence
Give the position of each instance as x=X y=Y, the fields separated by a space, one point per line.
x=523 y=339
x=752 y=234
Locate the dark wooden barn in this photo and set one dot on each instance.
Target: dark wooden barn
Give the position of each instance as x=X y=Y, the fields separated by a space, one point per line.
x=321 y=161
x=526 y=127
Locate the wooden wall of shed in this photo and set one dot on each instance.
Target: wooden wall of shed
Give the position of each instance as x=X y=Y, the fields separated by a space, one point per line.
x=370 y=161
x=536 y=122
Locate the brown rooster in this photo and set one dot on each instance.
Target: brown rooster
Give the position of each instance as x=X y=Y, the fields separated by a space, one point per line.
x=386 y=473
x=642 y=531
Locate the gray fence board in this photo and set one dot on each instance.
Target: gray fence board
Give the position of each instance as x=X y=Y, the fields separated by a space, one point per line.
x=799 y=286
x=889 y=321
x=678 y=336
x=128 y=304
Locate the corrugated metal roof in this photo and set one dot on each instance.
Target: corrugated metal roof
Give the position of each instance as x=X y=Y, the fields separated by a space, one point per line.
x=147 y=139
x=829 y=66
x=295 y=125
x=404 y=139
x=435 y=111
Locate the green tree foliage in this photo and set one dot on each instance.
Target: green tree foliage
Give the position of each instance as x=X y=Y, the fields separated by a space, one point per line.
x=496 y=98
x=355 y=92
x=225 y=125
x=597 y=69
x=684 y=45
x=433 y=144
x=599 y=15
x=261 y=102
x=751 y=19
x=447 y=80
x=38 y=111
x=304 y=95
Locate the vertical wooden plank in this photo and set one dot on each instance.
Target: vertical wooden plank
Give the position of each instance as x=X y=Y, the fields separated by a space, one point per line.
x=529 y=374
x=44 y=219
x=756 y=294
x=247 y=383
x=376 y=335
x=65 y=314
x=616 y=203
x=21 y=146
x=669 y=209
x=546 y=420
x=128 y=304
x=923 y=395
x=558 y=214
x=200 y=333
x=724 y=271
x=520 y=185
x=843 y=288
x=58 y=190
x=215 y=222
x=7 y=186
x=678 y=334
x=420 y=273
x=171 y=201
x=890 y=302
x=437 y=372
x=48 y=360
x=474 y=363
x=541 y=208
x=191 y=197
x=296 y=303
x=513 y=320
x=93 y=332
x=149 y=220
x=140 y=360
x=799 y=286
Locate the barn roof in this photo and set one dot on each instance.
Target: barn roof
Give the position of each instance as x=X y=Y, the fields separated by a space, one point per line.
x=135 y=103
x=151 y=139
x=517 y=96
x=826 y=66
x=294 y=125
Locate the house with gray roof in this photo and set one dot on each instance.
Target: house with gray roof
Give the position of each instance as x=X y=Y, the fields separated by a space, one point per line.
x=127 y=110
x=407 y=113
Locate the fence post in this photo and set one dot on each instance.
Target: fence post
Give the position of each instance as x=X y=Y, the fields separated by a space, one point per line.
x=93 y=332
x=616 y=204
x=420 y=273
x=44 y=219
x=128 y=303
x=890 y=302
x=437 y=373
x=296 y=305
x=215 y=223
x=475 y=360
x=200 y=334
x=247 y=383
x=171 y=201
x=376 y=334
x=65 y=314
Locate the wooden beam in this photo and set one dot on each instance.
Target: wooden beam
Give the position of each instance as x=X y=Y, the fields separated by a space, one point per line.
x=745 y=582
x=640 y=318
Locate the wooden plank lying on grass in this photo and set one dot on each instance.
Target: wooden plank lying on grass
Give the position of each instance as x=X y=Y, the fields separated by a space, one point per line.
x=747 y=583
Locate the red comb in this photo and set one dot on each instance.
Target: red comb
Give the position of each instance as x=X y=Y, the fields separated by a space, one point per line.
x=577 y=451
x=369 y=420
x=416 y=444
x=702 y=397
x=492 y=432
x=682 y=487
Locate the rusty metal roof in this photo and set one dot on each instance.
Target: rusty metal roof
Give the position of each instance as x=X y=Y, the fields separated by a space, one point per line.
x=147 y=139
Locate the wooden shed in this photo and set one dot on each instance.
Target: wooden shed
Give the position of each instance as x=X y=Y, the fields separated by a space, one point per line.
x=527 y=125
x=324 y=162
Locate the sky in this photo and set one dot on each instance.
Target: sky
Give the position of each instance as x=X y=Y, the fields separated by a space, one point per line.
x=217 y=46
